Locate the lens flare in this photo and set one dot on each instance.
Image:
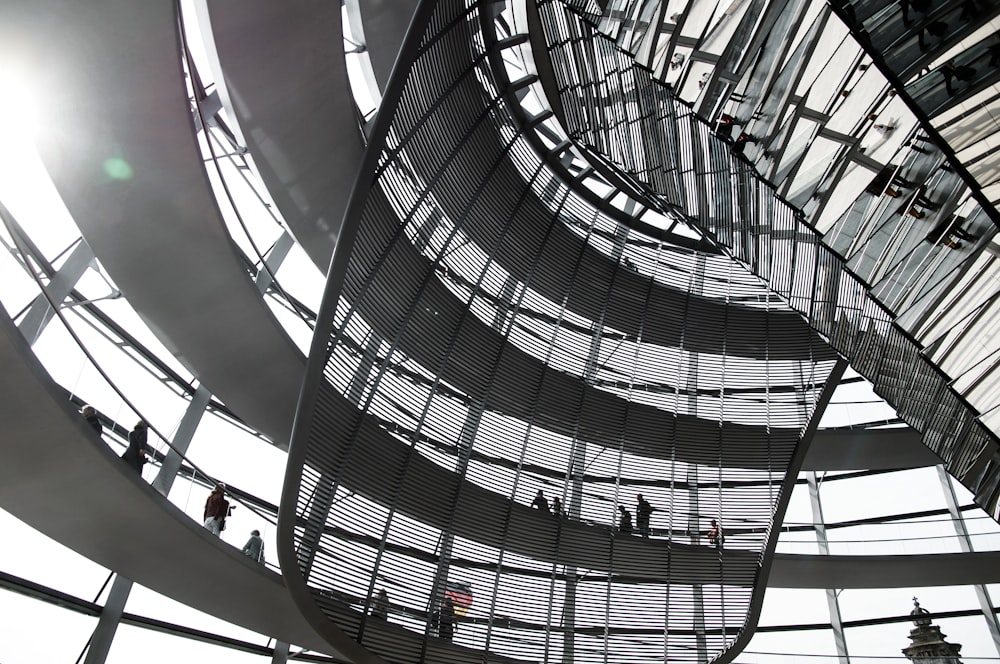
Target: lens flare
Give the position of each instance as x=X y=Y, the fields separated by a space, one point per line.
x=117 y=168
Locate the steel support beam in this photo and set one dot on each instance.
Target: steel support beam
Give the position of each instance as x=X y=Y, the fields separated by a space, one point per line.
x=694 y=508
x=273 y=261
x=325 y=493
x=107 y=624
x=578 y=466
x=698 y=592
x=470 y=428
x=114 y=607
x=833 y=603
x=280 y=655
x=965 y=542
x=182 y=440
x=59 y=288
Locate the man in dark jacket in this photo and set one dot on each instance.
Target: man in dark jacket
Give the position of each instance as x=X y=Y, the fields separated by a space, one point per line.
x=642 y=511
x=216 y=510
x=135 y=455
x=540 y=502
x=444 y=619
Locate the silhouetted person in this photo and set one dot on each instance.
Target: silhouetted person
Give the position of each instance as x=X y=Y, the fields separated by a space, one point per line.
x=942 y=233
x=135 y=455
x=642 y=511
x=444 y=619
x=922 y=200
x=936 y=29
x=557 y=506
x=963 y=73
x=912 y=211
x=740 y=144
x=948 y=72
x=216 y=510
x=381 y=608
x=880 y=183
x=715 y=535
x=254 y=548
x=539 y=502
x=724 y=128
x=93 y=419
x=920 y=5
x=969 y=11
x=624 y=520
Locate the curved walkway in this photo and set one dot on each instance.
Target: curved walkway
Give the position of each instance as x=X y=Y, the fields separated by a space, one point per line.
x=180 y=270
x=407 y=303
x=286 y=137
x=294 y=104
x=99 y=508
x=538 y=249
x=74 y=489
x=833 y=299
x=427 y=492
x=120 y=146
x=286 y=75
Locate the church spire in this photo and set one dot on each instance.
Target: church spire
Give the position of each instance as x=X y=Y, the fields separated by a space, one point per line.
x=927 y=644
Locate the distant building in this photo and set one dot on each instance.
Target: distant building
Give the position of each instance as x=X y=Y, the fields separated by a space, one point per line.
x=927 y=644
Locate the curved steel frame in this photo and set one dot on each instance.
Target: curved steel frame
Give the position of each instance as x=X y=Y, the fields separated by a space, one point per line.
x=694 y=173
x=445 y=132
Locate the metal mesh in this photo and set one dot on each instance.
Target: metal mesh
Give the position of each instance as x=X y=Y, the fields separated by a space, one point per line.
x=487 y=341
x=696 y=174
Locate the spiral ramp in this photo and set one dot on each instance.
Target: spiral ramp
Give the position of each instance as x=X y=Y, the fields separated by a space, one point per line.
x=420 y=344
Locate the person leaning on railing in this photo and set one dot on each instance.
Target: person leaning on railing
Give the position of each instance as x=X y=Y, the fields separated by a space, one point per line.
x=92 y=418
x=254 y=548
x=135 y=455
